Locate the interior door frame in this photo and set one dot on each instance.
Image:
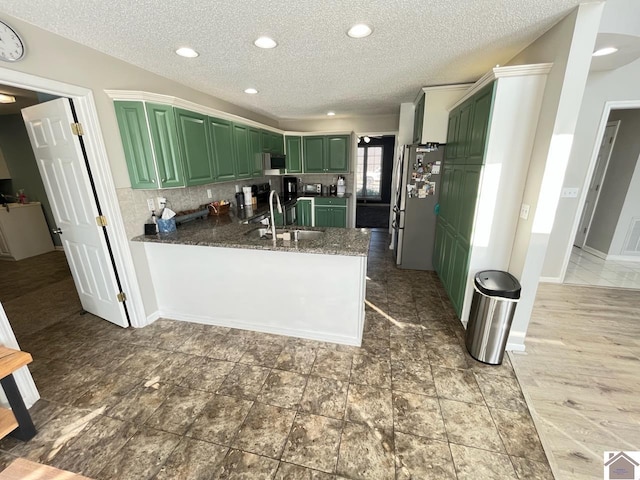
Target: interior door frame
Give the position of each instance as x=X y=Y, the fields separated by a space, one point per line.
x=606 y=111
x=98 y=160
x=615 y=124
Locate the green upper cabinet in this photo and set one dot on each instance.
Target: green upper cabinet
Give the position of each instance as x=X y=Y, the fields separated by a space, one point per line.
x=265 y=141
x=294 y=154
x=277 y=144
x=255 y=149
x=418 y=120
x=326 y=154
x=244 y=159
x=164 y=137
x=221 y=135
x=478 y=131
x=272 y=142
x=136 y=143
x=338 y=153
x=193 y=138
x=314 y=153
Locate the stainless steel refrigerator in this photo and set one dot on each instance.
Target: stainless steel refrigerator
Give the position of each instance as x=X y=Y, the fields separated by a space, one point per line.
x=417 y=183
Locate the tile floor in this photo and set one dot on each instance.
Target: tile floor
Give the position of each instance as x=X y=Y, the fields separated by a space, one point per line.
x=587 y=269
x=177 y=400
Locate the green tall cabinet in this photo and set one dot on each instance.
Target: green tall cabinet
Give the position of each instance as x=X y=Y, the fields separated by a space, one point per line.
x=464 y=157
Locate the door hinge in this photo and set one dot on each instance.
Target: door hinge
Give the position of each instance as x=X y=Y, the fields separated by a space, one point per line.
x=101 y=220
x=76 y=129
x=585 y=230
x=122 y=297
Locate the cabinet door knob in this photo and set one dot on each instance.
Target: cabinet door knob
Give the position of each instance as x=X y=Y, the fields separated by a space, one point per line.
x=153 y=180
x=163 y=180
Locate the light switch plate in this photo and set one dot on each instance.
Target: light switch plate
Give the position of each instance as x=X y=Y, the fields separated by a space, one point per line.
x=150 y=204
x=569 y=192
x=524 y=211
x=209 y=195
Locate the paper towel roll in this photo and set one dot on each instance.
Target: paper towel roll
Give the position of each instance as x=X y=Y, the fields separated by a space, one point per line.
x=247 y=195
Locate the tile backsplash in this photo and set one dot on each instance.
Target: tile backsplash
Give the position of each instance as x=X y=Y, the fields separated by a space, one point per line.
x=135 y=213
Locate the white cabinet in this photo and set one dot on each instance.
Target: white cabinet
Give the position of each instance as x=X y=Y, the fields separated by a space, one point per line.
x=23 y=231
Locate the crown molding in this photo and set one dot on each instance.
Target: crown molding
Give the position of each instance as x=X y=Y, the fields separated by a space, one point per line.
x=504 y=72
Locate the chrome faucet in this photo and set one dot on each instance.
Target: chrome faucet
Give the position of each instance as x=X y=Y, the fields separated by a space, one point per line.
x=272 y=222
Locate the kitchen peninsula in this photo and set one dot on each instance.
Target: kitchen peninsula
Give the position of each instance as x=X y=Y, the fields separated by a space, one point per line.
x=229 y=276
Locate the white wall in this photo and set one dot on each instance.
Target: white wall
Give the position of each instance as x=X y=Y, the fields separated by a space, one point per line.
x=617 y=190
x=619 y=85
x=370 y=124
x=568 y=45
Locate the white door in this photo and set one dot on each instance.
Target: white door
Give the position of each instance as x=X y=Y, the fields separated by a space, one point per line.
x=606 y=146
x=66 y=180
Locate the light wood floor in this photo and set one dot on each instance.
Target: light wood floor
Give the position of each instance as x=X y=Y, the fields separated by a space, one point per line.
x=580 y=375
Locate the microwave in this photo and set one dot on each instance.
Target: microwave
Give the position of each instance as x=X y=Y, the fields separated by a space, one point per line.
x=274 y=164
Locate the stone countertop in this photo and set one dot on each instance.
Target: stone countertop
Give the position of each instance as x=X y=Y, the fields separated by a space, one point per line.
x=226 y=232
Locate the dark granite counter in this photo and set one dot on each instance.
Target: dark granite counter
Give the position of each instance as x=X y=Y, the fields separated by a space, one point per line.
x=228 y=232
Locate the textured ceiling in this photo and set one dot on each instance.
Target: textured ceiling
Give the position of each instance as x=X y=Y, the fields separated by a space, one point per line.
x=316 y=67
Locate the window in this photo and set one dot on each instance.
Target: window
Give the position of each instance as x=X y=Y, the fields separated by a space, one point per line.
x=369 y=173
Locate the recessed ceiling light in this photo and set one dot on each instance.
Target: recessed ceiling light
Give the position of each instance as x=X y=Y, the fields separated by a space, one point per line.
x=187 y=52
x=265 y=42
x=331 y=114
x=359 y=30
x=605 y=51
x=7 y=98
x=251 y=91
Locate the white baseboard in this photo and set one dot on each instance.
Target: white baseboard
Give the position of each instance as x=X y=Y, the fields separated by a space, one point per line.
x=624 y=258
x=220 y=322
x=152 y=318
x=516 y=342
x=550 y=280
x=595 y=252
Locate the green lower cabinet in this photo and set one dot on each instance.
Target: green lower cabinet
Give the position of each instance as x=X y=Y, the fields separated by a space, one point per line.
x=331 y=216
x=221 y=134
x=137 y=144
x=255 y=148
x=303 y=213
x=193 y=139
x=243 y=158
x=294 y=154
x=278 y=218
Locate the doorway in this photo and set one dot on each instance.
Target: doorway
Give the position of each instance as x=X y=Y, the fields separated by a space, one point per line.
x=374 y=164
x=606 y=250
x=58 y=284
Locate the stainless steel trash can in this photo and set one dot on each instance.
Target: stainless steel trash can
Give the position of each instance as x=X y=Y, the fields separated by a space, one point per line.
x=494 y=303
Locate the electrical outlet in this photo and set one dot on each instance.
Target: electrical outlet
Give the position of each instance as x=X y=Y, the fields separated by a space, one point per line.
x=209 y=195
x=162 y=202
x=150 y=204
x=524 y=211
x=569 y=192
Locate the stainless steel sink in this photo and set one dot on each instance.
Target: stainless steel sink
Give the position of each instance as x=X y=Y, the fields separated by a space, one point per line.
x=264 y=233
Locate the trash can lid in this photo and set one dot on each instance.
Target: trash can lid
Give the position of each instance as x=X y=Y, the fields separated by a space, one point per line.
x=496 y=283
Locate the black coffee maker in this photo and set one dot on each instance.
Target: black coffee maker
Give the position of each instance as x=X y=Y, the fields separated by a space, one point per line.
x=289 y=188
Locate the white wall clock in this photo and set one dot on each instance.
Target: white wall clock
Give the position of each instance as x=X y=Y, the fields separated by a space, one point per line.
x=11 y=46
